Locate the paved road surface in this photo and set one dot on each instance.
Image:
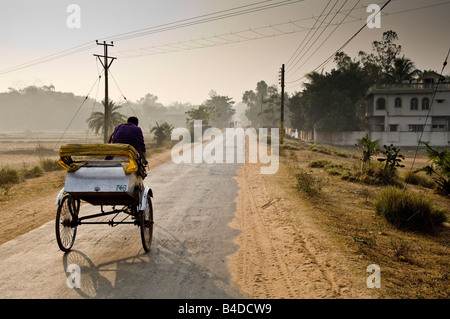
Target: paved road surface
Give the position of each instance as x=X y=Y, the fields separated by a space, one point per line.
x=193 y=205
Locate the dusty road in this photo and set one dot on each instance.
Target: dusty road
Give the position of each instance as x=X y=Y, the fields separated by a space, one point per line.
x=193 y=206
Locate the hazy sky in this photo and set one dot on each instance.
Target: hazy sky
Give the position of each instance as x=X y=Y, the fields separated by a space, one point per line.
x=178 y=58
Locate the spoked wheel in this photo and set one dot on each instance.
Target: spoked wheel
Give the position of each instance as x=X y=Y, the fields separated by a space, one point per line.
x=66 y=222
x=146 y=224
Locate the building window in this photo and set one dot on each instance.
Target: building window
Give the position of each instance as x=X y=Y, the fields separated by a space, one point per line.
x=415 y=127
x=398 y=102
x=381 y=104
x=425 y=103
x=393 y=127
x=414 y=104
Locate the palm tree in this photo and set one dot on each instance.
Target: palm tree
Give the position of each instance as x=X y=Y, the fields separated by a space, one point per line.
x=404 y=70
x=368 y=148
x=97 y=119
x=162 y=132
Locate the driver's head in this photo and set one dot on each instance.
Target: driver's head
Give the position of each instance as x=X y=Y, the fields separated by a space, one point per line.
x=134 y=120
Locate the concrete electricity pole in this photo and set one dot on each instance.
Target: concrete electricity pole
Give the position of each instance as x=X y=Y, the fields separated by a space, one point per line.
x=106 y=64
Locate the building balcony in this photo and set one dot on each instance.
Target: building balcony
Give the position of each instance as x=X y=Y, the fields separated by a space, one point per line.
x=407 y=88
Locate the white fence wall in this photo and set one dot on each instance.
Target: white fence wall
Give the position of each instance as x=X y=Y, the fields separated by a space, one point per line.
x=396 y=138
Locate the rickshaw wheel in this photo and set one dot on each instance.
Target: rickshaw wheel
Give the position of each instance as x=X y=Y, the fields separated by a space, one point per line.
x=66 y=222
x=146 y=224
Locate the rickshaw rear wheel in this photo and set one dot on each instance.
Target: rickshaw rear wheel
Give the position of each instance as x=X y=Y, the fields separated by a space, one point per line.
x=66 y=222
x=146 y=224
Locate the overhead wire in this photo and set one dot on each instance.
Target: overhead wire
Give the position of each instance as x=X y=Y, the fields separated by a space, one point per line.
x=219 y=15
x=291 y=82
x=78 y=110
x=426 y=119
x=323 y=42
x=342 y=46
x=310 y=30
x=290 y=66
x=222 y=14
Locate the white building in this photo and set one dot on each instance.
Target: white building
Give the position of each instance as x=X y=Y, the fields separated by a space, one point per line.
x=401 y=114
x=398 y=113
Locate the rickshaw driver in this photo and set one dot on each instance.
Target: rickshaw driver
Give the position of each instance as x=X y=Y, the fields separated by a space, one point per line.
x=130 y=133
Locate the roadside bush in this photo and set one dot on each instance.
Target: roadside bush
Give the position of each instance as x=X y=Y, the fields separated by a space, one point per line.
x=439 y=169
x=307 y=183
x=49 y=165
x=373 y=173
x=417 y=179
x=330 y=167
x=8 y=176
x=32 y=172
x=319 y=163
x=408 y=210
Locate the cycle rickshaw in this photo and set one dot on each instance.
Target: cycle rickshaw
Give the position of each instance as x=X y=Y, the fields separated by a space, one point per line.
x=105 y=175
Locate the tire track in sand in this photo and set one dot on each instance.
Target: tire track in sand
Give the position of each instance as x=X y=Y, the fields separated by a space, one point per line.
x=275 y=260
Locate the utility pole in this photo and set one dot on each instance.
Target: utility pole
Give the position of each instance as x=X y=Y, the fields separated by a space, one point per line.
x=106 y=64
x=282 y=105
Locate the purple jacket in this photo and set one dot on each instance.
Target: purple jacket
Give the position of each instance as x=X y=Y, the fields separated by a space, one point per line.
x=128 y=133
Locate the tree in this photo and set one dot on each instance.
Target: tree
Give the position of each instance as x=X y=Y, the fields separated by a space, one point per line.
x=332 y=101
x=263 y=106
x=381 y=65
x=403 y=70
x=162 y=132
x=203 y=113
x=368 y=148
x=439 y=168
x=97 y=119
x=223 y=108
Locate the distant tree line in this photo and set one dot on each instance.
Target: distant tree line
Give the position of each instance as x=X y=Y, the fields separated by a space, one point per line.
x=335 y=100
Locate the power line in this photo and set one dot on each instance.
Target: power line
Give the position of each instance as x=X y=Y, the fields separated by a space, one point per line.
x=337 y=26
x=240 y=10
x=342 y=46
x=315 y=31
x=219 y=15
x=307 y=34
x=426 y=118
x=390 y=14
x=78 y=110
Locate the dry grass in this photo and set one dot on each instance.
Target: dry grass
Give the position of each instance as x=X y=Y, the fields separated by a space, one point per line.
x=413 y=265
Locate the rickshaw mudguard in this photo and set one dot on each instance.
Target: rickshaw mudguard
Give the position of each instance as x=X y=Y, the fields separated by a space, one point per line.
x=143 y=204
x=59 y=197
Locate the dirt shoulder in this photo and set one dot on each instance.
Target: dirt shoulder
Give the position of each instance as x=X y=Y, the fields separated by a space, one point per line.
x=296 y=246
x=284 y=250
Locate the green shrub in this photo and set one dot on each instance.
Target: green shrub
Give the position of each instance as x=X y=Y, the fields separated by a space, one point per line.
x=417 y=179
x=319 y=163
x=373 y=173
x=408 y=210
x=32 y=172
x=439 y=169
x=49 y=165
x=307 y=183
x=8 y=176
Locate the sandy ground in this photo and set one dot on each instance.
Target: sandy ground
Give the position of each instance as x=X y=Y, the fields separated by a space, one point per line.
x=283 y=252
